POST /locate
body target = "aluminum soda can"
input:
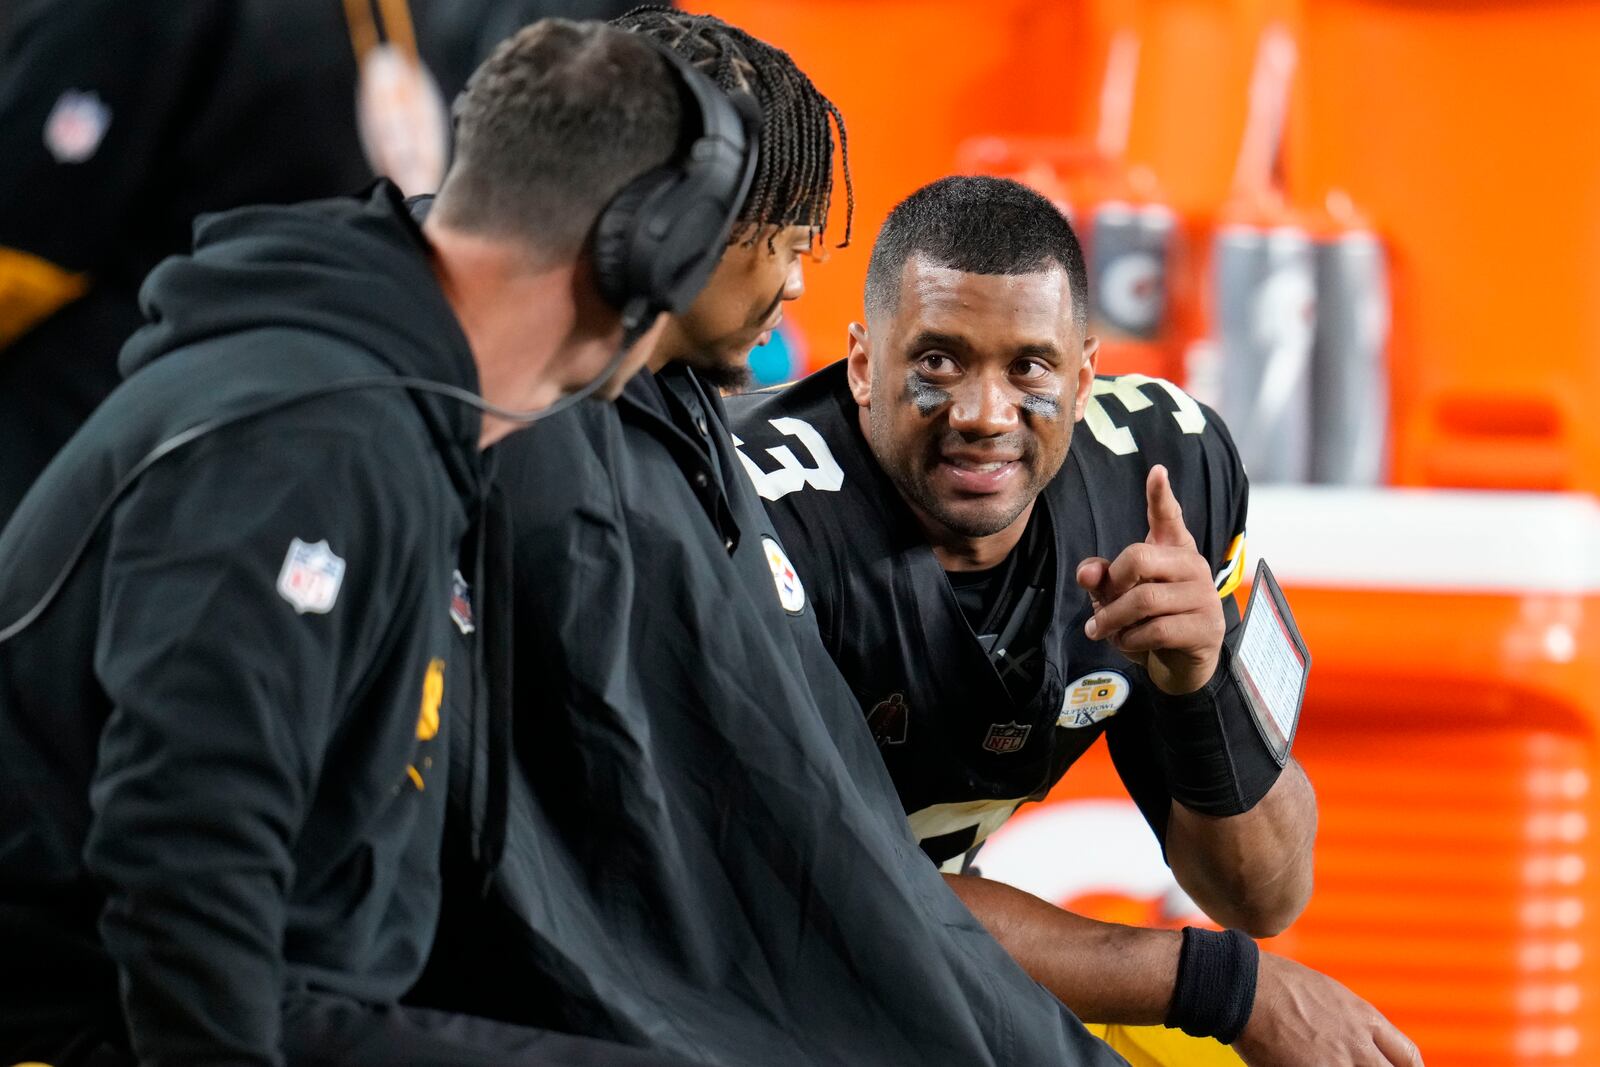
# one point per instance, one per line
(1349, 367)
(1131, 248)
(1266, 319)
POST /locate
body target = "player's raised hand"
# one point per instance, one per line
(1163, 512)
(1156, 602)
(1301, 1016)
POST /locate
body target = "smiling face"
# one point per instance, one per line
(740, 306)
(969, 387)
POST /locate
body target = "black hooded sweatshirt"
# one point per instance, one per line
(221, 754)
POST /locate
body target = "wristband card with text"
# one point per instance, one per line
(1272, 663)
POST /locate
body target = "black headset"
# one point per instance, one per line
(658, 240)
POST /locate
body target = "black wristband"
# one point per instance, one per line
(1216, 986)
(1215, 760)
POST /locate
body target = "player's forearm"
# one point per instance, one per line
(1252, 871)
(1104, 972)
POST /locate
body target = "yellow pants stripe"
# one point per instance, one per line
(1157, 1046)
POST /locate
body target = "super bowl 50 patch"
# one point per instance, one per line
(1092, 698)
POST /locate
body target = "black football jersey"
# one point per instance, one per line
(973, 724)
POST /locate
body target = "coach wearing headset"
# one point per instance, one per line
(226, 609)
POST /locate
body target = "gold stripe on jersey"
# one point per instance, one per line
(982, 817)
(1232, 572)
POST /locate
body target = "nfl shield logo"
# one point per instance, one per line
(75, 127)
(1007, 737)
(310, 577)
(461, 603)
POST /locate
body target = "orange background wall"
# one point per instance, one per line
(1463, 129)
(914, 79)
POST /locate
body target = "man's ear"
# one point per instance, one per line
(1086, 372)
(858, 365)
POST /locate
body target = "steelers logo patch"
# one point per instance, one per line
(1092, 698)
(791, 594)
(432, 697)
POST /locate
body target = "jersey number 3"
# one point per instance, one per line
(825, 473)
(791, 475)
(1126, 388)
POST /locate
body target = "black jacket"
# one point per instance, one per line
(705, 854)
(219, 777)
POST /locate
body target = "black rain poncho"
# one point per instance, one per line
(703, 851)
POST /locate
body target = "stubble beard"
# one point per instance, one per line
(720, 372)
(981, 522)
(912, 476)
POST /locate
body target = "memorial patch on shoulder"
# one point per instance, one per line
(890, 720)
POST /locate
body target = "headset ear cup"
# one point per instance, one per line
(615, 231)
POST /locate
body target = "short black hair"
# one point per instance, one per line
(794, 173)
(551, 127)
(979, 225)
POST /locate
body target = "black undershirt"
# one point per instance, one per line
(988, 599)
(977, 591)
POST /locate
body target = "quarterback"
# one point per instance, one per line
(1009, 557)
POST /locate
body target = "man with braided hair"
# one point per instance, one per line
(698, 848)
(787, 211)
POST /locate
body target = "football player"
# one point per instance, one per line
(1000, 591)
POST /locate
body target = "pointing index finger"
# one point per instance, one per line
(1164, 511)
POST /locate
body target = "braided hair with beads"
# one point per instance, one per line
(794, 173)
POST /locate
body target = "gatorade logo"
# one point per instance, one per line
(1285, 322)
(1130, 292)
(1286, 309)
